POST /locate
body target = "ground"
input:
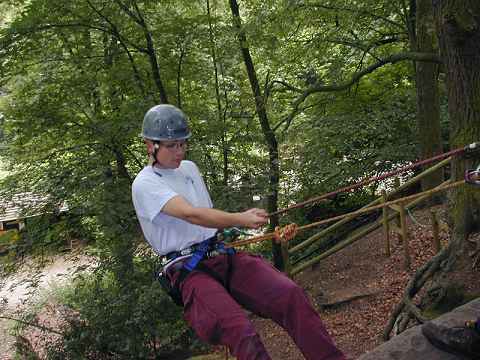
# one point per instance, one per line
(360, 271)
(33, 281)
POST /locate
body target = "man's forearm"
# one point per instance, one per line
(214, 218)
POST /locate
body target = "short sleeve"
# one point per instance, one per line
(195, 171)
(149, 197)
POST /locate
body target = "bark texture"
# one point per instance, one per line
(268, 133)
(428, 105)
(458, 29)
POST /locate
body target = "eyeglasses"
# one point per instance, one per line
(177, 145)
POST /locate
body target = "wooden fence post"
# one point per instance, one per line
(435, 231)
(396, 184)
(392, 217)
(403, 227)
(386, 226)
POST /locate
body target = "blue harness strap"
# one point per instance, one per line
(205, 249)
(199, 253)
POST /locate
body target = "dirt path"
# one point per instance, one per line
(29, 284)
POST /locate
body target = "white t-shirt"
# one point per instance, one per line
(151, 190)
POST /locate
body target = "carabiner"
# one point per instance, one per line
(230, 234)
(473, 176)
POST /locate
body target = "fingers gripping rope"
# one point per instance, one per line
(285, 233)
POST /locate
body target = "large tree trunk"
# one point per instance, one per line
(458, 28)
(428, 105)
(221, 113)
(150, 51)
(268, 133)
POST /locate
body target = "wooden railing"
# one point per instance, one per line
(399, 214)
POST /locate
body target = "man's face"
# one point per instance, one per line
(169, 154)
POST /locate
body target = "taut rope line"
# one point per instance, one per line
(269, 236)
(458, 151)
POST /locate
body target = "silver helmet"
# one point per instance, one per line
(165, 122)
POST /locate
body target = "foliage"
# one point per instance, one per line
(49, 233)
(102, 320)
(113, 320)
(8, 240)
(79, 76)
(9, 237)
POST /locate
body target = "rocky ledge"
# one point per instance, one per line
(412, 345)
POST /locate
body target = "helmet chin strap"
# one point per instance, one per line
(156, 146)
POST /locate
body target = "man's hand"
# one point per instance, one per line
(254, 218)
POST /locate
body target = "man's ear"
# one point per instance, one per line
(150, 147)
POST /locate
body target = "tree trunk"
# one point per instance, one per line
(428, 105)
(458, 29)
(268, 133)
(221, 114)
(137, 17)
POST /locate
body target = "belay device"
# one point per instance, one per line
(472, 176)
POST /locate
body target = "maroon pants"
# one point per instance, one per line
(218, 317)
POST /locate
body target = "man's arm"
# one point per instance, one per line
(213, 218)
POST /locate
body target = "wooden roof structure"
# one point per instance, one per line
(22, 206)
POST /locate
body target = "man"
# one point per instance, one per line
(464, 340)
(214, 284)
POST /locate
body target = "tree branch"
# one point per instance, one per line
(114, 30)
(284, 84)
(355, 11)
(320, 87)
(130, 13)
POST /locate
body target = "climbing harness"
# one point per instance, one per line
(230, 234)
(187, 260)
(472, 176)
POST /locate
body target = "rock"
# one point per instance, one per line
(412, 345)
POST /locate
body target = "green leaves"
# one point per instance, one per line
(78, 77)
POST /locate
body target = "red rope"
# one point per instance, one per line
(372, 179)
(272, 235)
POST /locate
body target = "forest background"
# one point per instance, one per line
(286, 100)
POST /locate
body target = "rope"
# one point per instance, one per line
(272, 235)
(377, 178)
(285, 233)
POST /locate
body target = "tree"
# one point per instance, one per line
(458, 31)
(428, 98)
(268, 132)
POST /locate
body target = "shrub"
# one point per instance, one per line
(132, 320)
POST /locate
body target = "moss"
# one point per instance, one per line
(453, 297)
(459, 13)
